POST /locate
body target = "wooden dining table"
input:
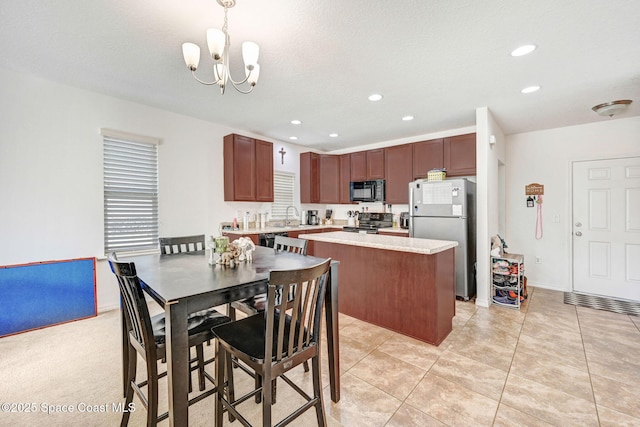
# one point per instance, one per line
(185, 283)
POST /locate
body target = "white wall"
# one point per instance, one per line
(545, 157)
(51, 205)
(488, 160)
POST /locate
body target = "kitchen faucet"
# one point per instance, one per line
(286, 215)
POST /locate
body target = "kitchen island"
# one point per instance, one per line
(403, 284)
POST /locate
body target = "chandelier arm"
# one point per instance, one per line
(240, 82)
(243, 91)
(193, 73)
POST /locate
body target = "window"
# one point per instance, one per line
(130, 192)
(283, 184)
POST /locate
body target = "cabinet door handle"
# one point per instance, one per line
(578, 233)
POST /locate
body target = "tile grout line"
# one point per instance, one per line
(586, 360)
(531, 296)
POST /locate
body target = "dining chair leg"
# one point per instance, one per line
(231, 390)
(266, 400)
(231, 312)
(258, 384)
(317, 391)
(200, 361)
(130, 374)
(221, 366)
(152, 394)
(306, 365)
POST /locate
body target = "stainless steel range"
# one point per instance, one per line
(370, 222)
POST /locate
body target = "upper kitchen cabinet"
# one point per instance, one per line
(319, 178)
(309, 179)
(345, 178)
(375, 164)
(366, 165)
(264, 171)
(329, 177)
(460, 155)
(248, 169)
(427, 155)
(398, 172)
(358, 166)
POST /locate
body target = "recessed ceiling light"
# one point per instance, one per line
(333, 135)
(293, 138)
(407, 118)
(295, 122)
(524, 50)
(375, 97)
(530, 89)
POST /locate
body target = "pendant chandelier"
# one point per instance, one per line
(218, 43)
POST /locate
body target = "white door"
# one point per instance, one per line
(606, 227)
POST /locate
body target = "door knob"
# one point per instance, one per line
(578, 224)
(578, 233)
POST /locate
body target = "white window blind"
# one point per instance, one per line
(130, 193)
(283, 184)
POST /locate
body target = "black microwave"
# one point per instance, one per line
(367, 191)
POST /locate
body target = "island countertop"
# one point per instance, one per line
(380, 241)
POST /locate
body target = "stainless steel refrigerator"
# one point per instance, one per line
(446, 210)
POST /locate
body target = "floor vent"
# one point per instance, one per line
(603, 303)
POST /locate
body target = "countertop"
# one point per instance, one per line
(281, 229)
(308, 227)
(380, 241)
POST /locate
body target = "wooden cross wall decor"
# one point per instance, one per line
(282, 153)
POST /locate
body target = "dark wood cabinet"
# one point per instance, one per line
(375, 164)
(264, 171)
(309, 180)
(398, 173)
(329, 178)
(460, 155)
(319, 178)
(345, 178)
(325, 178)
(359, 166)
(248, 169)
(239, 154)
(366, 165)
(427, 155)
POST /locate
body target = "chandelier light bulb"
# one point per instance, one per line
(191, 53)
(250, 52)
(252, 75)
(216, 41)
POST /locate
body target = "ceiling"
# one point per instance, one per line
(434, 59)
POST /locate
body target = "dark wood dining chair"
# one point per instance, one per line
(255, 304)
(146, 337)
(175, 245)
(271, 343)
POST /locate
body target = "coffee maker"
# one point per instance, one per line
(312, 217)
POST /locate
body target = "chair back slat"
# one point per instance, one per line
(176, 245)
(290, 244)
(295, 320)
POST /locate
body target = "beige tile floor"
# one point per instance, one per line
(549, 364)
